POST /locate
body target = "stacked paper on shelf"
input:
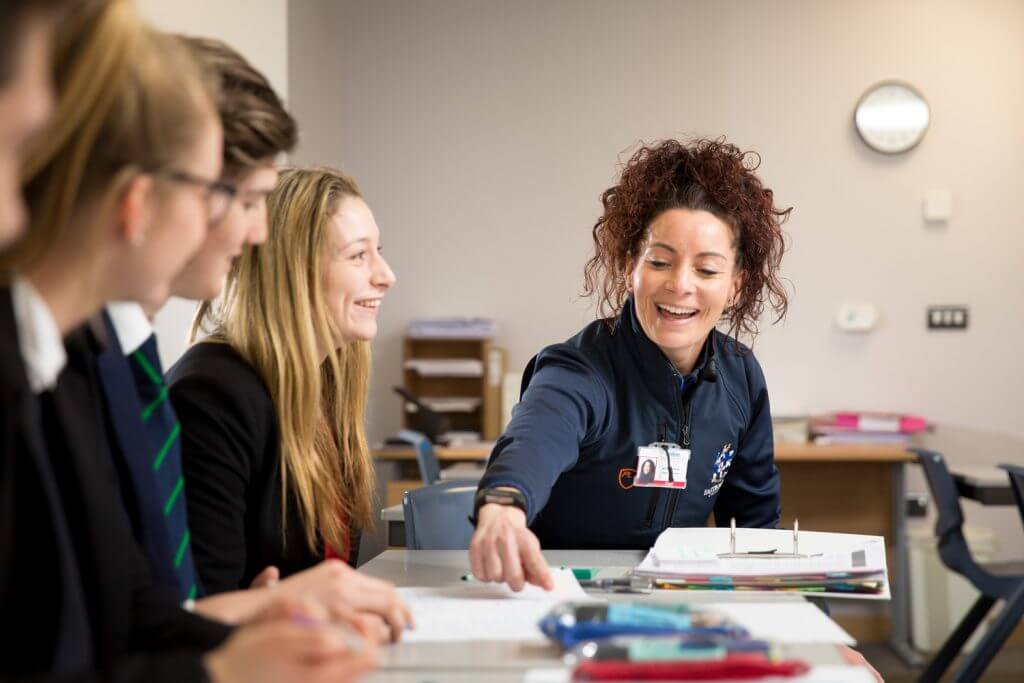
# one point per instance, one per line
(446, 367)
(868, 428)
(833, 565)
(452, 328)
(447, 404)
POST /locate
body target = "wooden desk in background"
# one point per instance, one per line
(855, 489)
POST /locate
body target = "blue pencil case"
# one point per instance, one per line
(570, 623)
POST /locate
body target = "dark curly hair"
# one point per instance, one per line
(701, 175)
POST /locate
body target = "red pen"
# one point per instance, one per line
(729, 668)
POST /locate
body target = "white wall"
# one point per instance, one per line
(482, 133)
(259, 31)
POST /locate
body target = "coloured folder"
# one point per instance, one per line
(830, 565)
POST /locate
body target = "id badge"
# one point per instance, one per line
(663, 465)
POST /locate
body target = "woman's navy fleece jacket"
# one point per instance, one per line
(586, 406)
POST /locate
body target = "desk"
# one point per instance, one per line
(986, 485)
(508, 661)
(869, 480)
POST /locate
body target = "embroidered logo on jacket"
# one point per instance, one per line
(721, 468)
(626, 475)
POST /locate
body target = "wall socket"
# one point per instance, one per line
(947, 318)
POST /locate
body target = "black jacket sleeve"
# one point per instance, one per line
(221, 434)
(180, 667)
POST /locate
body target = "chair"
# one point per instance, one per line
(430, 466)
(426, 457)
(956, 555)
(437, 516)
(1016, 474)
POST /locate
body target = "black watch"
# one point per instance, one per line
(503, 496)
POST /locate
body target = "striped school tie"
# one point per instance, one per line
(161, 423)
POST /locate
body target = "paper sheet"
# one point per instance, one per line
(485, 611)
(784, 622)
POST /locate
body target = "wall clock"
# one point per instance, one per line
(892, 117)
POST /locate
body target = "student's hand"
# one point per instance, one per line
(266, 578)
(504, 549)
(293, 646)
(857, 659)
(344, 591)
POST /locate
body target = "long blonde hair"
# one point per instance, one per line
(130, 99)
(273, 313)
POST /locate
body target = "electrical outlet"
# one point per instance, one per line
(917, 504)
(947, 318)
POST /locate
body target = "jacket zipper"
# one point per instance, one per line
(684, 441)
(652, 504)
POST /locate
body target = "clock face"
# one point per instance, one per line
(892, 117)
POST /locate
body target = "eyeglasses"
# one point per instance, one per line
(218, 194)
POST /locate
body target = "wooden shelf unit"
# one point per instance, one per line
(486, 419)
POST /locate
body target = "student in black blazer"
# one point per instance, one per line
(285, 361)
(107, 617)
(256, 129)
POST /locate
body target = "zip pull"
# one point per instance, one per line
(661, 432)
(686, 436)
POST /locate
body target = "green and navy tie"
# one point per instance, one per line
(161, 424)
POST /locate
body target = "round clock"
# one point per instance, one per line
(891, 117)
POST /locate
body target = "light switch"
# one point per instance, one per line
(857, 317)
(938, 206)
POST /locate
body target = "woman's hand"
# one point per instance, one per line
(293, 642)
(342, 591)
(504, 549)
(857, 659)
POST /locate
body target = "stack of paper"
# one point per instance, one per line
(865, 428)
(452, 328)
(446, 404)
(835, 565)
(446, 367)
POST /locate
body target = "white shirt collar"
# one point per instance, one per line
(42, 347)
(131, 325)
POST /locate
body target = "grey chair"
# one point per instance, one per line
(437, 516)
(956, 555)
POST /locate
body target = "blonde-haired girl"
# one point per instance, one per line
(273, 401)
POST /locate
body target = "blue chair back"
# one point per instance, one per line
(426, 458)
(437, 516)
(1016, 473)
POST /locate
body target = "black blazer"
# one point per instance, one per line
(44, 625)
(135, 629)
(231, 453)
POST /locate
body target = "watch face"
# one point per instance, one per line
(500, 498)
(892, 117)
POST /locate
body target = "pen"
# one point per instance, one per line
(352, 640)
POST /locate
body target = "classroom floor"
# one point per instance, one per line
(1007, 667)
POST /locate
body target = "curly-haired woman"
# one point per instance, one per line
(690, 239)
